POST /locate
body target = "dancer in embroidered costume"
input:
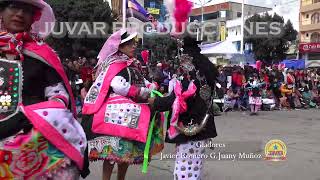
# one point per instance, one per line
(39, 136)
(117, 107)
(192, 121)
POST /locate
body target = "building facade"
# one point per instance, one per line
(156, 8)
(219, 14)
(234, 32)
(116, 5)
(310, 32)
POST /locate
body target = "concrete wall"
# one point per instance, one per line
(305, 37)
(248, 10)
(234, 8)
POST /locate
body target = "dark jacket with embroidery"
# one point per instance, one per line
(197, 107)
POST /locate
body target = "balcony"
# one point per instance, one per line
(306, 7)
(305, 22)
(309, 27)
(306, 2)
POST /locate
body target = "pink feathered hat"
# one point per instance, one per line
(44, 21)
(111, 46)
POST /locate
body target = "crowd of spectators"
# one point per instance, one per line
(284, 88)
(80, 72)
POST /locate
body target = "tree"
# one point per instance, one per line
(291, 33)
(162, 47)
(271, 44)
(79, 11)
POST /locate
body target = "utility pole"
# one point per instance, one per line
(242, 28)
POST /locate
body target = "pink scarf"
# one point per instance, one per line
(179, 106)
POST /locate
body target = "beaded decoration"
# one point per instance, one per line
(10, 88)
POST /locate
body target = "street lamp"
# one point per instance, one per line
(202, 3)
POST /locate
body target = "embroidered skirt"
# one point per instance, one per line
(31, 156)
(120, 150)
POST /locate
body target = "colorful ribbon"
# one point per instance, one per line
(179, 106)
(148, 143)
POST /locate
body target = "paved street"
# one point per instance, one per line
(300, 130)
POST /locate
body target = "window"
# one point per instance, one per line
(238, 44)
(210, 16)
(315, 18)
(307, 35)
(307, 16)
(153, 4)
(239, 14)
(229, 14)
(315, 37)
(223, 14)
(193, 18)
(314, 56)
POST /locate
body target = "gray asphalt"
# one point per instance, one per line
(299, 129)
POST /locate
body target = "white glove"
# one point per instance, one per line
(120, 85)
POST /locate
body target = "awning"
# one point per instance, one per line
(294, 63)
(222, 47)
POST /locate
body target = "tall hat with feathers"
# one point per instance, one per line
(179, 11)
